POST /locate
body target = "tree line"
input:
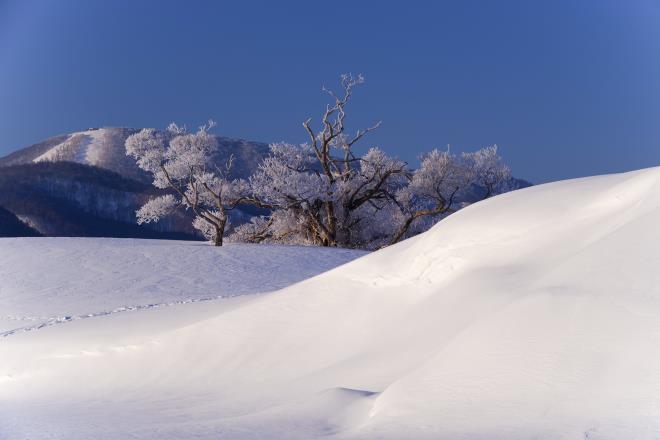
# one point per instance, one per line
(316, 193)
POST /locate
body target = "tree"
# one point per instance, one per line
(488, 170)
(322, 193)
(180, 163)
(444, 178)
(323, 190)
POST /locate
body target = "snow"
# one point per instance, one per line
(533, 314)
(83, 147)
(91, 150)
(52, 280)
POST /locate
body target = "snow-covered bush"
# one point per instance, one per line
(180, 162)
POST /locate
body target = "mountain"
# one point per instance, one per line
(104, 148)
(530, 315)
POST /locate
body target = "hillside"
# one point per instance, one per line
(533, 314)
(104, 148)
(70, 199)
(12, 226)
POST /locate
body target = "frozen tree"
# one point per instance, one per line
(317, 193)
(180, 162)
(488, 170)
(321, 192)
(444, 178)
(282, 226)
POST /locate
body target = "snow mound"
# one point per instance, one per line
(534, 314)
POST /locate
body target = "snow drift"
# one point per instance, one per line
(530, 315)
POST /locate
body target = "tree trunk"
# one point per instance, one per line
(402, 230)
(332, 224)
(219, 233)
(406, 225)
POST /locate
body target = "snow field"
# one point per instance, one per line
(533, 314)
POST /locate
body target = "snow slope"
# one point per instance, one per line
(82, 147)
(534, 314)
(104, 148)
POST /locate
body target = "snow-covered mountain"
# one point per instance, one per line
(104, 148)
(534, 314)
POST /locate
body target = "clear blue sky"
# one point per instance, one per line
(565, 88)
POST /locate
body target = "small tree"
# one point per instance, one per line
(180, 162)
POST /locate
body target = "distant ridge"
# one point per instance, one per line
(104, 148)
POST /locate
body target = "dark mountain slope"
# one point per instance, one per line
(70, 199)
(12, 226)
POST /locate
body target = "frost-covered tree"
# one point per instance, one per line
(317, 193)
(180, 162)
(444, 178)
(488, 170)
(321, 192)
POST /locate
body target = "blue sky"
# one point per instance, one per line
(565, 88)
